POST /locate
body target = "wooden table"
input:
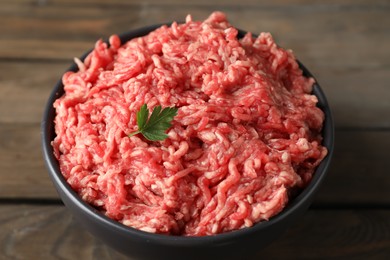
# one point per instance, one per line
(346, 44)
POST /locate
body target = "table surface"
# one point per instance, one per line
(344, 43)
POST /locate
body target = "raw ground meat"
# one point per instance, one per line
(247, 131)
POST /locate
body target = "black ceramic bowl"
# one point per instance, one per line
(143, 245)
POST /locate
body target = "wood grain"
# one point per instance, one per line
(22, 170)
(335, 234)
(26, 85)
(344, 43)
(245, 3)
(358, 97)
(337, 35)
(356, 175)
(46, 232)
(34, 52)
(50, 232)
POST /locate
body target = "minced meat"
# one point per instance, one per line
(247, 130)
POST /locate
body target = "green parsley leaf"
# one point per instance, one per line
(154, 127)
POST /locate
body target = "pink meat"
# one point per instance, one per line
(247, 130)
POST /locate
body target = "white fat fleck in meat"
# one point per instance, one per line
(249, 198)
(285, 157)
(257, 163)
(79, 64)
(248, 222)
(303, 144)
(147, 229)
(173, 135)
(207, 137)
(214, 229)
(137, 152)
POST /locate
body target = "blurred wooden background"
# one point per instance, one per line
(345, 44)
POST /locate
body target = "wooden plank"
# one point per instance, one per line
(358, 174)
(335, 234)
(259, 4)
(25, 87)
(22, 170)
(344, 77)
(22, 99)
(50, 232)
(355, 177)
(358, 97)
(47, 232)
(318, 33)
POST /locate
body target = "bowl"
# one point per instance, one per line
(142, 245)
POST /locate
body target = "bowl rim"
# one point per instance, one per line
(47, 136)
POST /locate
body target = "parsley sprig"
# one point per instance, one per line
(153, 128)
